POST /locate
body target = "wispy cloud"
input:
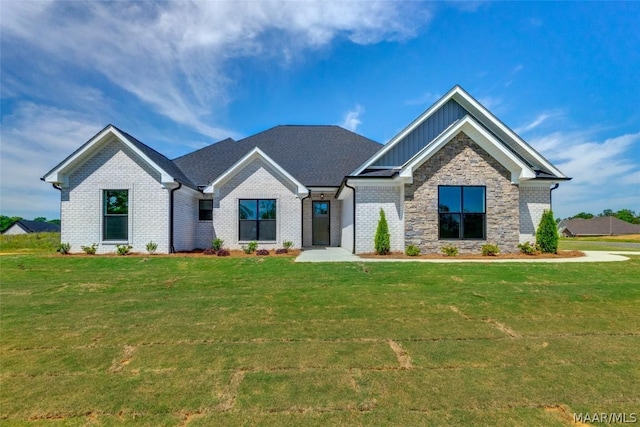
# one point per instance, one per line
(352, 120)
(32, 137)
(425, 98)
(172, 55)
(594, 166)
(540, 119)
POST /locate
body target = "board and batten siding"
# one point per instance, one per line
(418, 138)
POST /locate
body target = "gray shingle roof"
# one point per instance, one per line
(598, 226)
(159, 159)
(37, 226)
(314, 155)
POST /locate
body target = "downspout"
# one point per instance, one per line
(302, 218)
(354, 215)
(550, 195)
(171, 206)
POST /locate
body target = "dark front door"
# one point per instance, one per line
(321, 223)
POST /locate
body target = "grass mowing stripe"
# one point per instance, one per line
(170, 340)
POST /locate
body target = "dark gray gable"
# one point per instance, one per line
(421, 136)
(314, 155)
(37, 226)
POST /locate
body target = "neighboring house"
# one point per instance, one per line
(24, 226)
(598, 226)
(455, 175)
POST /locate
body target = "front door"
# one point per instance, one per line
(321, 223)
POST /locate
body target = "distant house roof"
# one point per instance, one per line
(599, 226)
(314, 155)
(36, 226)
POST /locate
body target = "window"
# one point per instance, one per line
(257, 219)
(461, 212)
(205, 210)
(116, 215)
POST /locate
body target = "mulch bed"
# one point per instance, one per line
(400, 255)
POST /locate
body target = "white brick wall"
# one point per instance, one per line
(184, 220)
(533, 201)
(115, 166)
(335, 213)
(369, 200)
(204, 229)
(257, 181)
(347, 221)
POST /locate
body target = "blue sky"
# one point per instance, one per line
(181, 75)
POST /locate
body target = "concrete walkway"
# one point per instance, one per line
(342, 255)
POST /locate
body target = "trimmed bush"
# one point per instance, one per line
(449, 250)
(209, 251)
(489, 249)
(382, 241)
(123, 249)
(282, 251)
(262, 252)
(528, 248)
(223, 252)
(64, 248)
(152, 247)
(250, 247)
(90, 250)
(412, 250)
(547, 234)
(216, 244)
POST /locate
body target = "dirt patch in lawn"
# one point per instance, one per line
(400, 255)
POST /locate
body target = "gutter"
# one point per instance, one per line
(302, 218)
(172, 249)
(551, 196)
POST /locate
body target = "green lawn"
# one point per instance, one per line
(601, 243)
(264, 341)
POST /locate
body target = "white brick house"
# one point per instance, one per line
(455, 175)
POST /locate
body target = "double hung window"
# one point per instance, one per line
(115, 223)
(257, 219)
(461, 212)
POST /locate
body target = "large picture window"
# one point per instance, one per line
(257, 219)
(116, 215)
(461, 212)
(205, 210)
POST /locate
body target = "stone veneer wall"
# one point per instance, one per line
(461, 162)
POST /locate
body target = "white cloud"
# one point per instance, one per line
(352, 120)
(33, 139)
(172, 55)
(542, 118)
(425, 98)
(605, 173)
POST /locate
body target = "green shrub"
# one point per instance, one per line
(489, 249)
(152, 247)
(90, 250)
(216, 244)
(382, 239)
(64, 248)
(449, 250)
(123, 249)
(287, 244)
(250, 247)
(412, 250)
(547, 233)
(528, 248)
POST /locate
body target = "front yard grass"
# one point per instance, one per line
(243, 341)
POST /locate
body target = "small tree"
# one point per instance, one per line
(382, 239)
(547, 233)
